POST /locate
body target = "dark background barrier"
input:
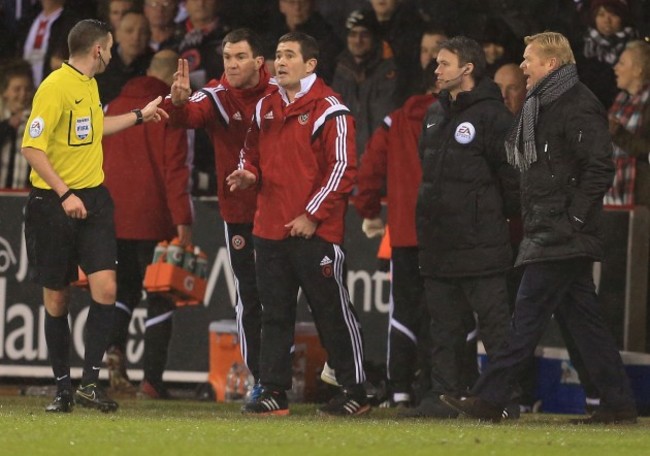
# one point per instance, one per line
(23, 350)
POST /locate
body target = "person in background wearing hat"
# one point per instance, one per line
(366, 76)
(604, 41)
(467, 190)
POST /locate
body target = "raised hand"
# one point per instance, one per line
(181, 90)
(152, 113)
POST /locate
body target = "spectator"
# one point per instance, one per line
(302, 16)
(400, 25)
(512, 82)
(561, 133)
(69, 213)
(16, 88)
(132, 55)
(163, 31)
(500, 45)
(604, 41)
(147, 174)
(224, 108)
(467, 190)
(366, 77)
(430, 43)
(298, 226)
(391, 160)
(112, 11)
(47, 37)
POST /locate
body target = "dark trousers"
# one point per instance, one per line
(133, 257)
(451, 303)
(248, 309)
(406, 316)
(318, 267)
(565, 288)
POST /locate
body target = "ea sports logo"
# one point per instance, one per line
(465, 133)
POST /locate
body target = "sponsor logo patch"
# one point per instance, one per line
(36, 127)
(236, 116)
(238, 242)
(465, 133)
(268, 115)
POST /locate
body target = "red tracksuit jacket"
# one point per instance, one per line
(304, 157)
(392, 156)
(225, 112)
(146, 169)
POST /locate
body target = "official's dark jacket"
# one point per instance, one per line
(562, 192)
(461, 222)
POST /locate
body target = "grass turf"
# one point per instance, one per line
(198, 428)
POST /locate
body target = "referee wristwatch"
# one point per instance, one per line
(138, 116)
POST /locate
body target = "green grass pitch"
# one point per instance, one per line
(190, 428)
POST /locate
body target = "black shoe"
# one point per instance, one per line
(349, 402)
(268, 403)
(429, 407)
(512, 411)
(600, 416)
(475, 407)
(62, 403)
(92, 396)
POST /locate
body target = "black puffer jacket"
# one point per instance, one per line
(461, 222)
(562, 192)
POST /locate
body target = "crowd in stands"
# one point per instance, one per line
(370, 50)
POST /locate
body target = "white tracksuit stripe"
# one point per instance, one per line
(239, 306)
(159, 319)
(348, 316)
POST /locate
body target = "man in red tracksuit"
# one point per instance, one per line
(147, 174)
(300, 155)
(391, 159)
(224, 108)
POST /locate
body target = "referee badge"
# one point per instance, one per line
(36, 127)
(238, 242)
(82, 127)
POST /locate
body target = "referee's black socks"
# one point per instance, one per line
(98, 329)
(57, 336)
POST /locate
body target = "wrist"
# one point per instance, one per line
(65, 196)
(138, 116)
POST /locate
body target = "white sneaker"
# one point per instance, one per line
(329, 376)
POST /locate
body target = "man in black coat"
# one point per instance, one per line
(561, 146)
(467, 189)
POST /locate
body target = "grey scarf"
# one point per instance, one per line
(542, 94)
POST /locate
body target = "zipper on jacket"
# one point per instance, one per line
(548, 159)
(579, 136)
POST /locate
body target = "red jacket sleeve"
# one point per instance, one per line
(372, 173)
(177, 176)
(337, 142)
(199, 111)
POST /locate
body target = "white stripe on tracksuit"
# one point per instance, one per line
(394, 324)
(158, 319)
(341, 158)
(239, 306)
(348, 316)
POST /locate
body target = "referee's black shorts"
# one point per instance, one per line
(57, 244)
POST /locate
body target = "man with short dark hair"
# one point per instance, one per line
(467, 189)
(225, 109)
(561, 145)
(69, 213)
(300, 155)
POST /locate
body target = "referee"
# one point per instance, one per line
(69, 214)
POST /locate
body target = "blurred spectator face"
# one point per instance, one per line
(607, 23)
(493, 52)
(160, 13)
(384, 9)
(290, 66)
(535, 65)
(296, 11)
(201, 12)
(512, 82)
(360, 42)
(241, 67)
(17, 94)
(429, 47)
(132, 36)
(629, 72)
(116, 9)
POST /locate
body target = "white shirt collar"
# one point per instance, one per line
(305, 86)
